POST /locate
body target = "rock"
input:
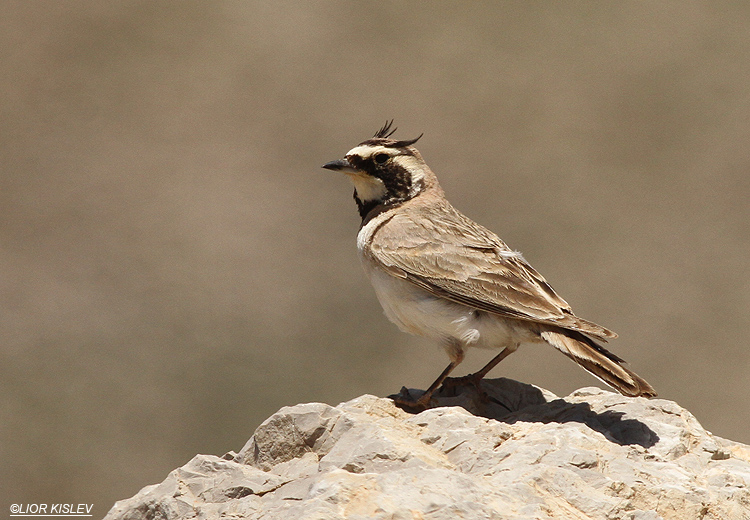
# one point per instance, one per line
(518, 452)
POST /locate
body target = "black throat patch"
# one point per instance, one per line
(396, 179)
(365, 207)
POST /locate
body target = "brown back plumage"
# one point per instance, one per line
(442, 251)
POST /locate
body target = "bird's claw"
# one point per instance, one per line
(406, 402)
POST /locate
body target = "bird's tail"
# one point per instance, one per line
(599, 361)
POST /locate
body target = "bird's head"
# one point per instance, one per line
(385, 171)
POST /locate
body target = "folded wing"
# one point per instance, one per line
(454, 258)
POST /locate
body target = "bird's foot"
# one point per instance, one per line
(408, 403)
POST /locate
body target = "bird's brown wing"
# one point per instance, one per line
(450, 256)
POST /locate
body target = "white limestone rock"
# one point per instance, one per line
(591, 455)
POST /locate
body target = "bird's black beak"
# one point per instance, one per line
(340, 165)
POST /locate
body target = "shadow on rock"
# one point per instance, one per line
(511, 401)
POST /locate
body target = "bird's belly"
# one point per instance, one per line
(416, 311)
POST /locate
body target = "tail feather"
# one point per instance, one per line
(599, 361)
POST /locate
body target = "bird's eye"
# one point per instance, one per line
(381, 158)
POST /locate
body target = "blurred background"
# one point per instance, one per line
(175, 265)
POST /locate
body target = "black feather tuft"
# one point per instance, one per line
(381, 137)
(406, 142)
(385, 131)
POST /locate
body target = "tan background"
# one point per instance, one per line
(175, 266)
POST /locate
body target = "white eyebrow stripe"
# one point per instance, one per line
(368, 150)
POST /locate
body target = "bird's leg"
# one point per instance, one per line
(476, 377)
(493, 363)
(456, 353)
(424, 399)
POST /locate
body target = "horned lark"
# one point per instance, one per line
(440, 275)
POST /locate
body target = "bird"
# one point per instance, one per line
(440, 275)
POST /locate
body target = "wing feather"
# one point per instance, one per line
(452, 257)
